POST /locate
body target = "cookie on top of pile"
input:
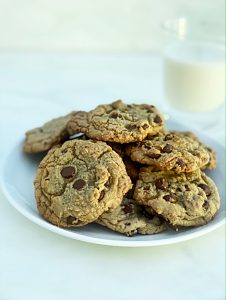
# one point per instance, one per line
(119, 167)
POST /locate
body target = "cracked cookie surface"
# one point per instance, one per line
(118, 122)
(212, 163)
(76, 182)
(45, 137)
(186, 199)
(130, 218)
(170, 151)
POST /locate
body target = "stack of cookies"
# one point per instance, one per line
(119, 167)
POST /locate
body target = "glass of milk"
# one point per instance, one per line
(194, 71)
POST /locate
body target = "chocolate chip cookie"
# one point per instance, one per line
(45, 137)
(118, 122)
(77, 182)
(212, 163)
(170, 151)
(186, 199)
(130, 218)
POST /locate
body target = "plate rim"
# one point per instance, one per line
(100, 241)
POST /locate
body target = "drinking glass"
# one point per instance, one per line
(194, 70)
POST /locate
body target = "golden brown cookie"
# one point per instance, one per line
(118, 122)
(170, 151)
(186, 199)
(78, 181)
(45, 137)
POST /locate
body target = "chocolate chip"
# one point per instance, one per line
(79, 184)
(131, 126)
(127, 208)
(154, 155)
(168, 137)
(71, 220)
(187, 187)
(128, 224)
(102, 194)
(114, 115)
(145, 126)
(146, 145)
(161, 183)
(150, 110)
(169, 198)
(157, 119)
(205, 205)
(167, 149)
(206, 189)
(107, 183)
(180, 162)
(68, 172)
(146, 188)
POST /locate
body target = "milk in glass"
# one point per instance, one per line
(194, 76)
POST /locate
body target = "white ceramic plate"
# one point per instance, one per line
(16, 179)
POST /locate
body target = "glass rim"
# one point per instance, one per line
(180, 28)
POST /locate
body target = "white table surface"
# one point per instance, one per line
(38, 264)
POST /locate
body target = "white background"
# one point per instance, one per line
(95, 25)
